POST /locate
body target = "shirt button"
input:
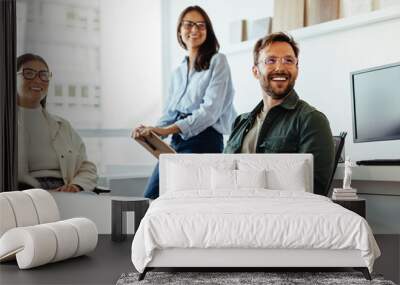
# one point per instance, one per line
(62, 156)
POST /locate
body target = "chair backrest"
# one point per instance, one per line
(339, 144)
(27, 208)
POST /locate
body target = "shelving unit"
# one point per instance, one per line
(326, 28)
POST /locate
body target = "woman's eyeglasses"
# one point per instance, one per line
(30, 74)
(188, 25)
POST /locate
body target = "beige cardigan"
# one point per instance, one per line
(70, 150)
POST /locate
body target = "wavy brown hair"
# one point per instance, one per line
(27, 57)
(210, 45)
(272, 38)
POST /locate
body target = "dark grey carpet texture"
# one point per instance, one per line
(269, 278)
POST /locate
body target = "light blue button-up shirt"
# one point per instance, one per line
(206, 95)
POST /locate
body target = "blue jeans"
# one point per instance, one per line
(208, 141)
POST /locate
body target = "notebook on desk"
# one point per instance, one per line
(155, 145)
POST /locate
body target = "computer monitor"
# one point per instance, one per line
(375, 94)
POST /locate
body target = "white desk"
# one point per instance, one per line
(380, 186)
(371, 173)
(125, 180)
(94, 207)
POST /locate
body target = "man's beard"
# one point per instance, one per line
(268, 88)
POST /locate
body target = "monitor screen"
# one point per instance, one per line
(376, 103)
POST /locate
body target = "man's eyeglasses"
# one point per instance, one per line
(30, 74)
(272, 60)
(188, 25)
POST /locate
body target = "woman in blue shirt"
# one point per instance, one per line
(199, 109)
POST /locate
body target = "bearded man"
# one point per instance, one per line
(282, 122)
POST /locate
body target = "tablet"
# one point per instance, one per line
(154, 144)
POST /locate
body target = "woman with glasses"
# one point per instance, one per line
(199, 108)
(51, 155)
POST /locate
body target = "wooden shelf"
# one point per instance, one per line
(343, 24)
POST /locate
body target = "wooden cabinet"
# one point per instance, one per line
(357, 206)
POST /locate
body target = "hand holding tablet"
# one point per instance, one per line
(154, 144)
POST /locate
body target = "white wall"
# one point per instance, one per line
(324, 81)
(131, 78)
(131, 61)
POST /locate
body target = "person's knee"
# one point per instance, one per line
(151, 195)
(152, 191)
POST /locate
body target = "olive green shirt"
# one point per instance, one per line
(291, 127)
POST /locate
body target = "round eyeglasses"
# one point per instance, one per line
(30, 74)
(273, 60)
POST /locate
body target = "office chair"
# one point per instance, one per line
(101, 190)
(338, 144)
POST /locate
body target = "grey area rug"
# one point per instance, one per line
(270, 278)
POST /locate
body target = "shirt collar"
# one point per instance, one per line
(185, 59)
(184, 66)
(290, 102)
(257, 109)
(55, 118)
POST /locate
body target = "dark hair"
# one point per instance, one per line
(27, 57)
(210, 45)
(272, 38)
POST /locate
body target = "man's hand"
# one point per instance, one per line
(68, 188)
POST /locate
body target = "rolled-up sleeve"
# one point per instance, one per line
(214, 100)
